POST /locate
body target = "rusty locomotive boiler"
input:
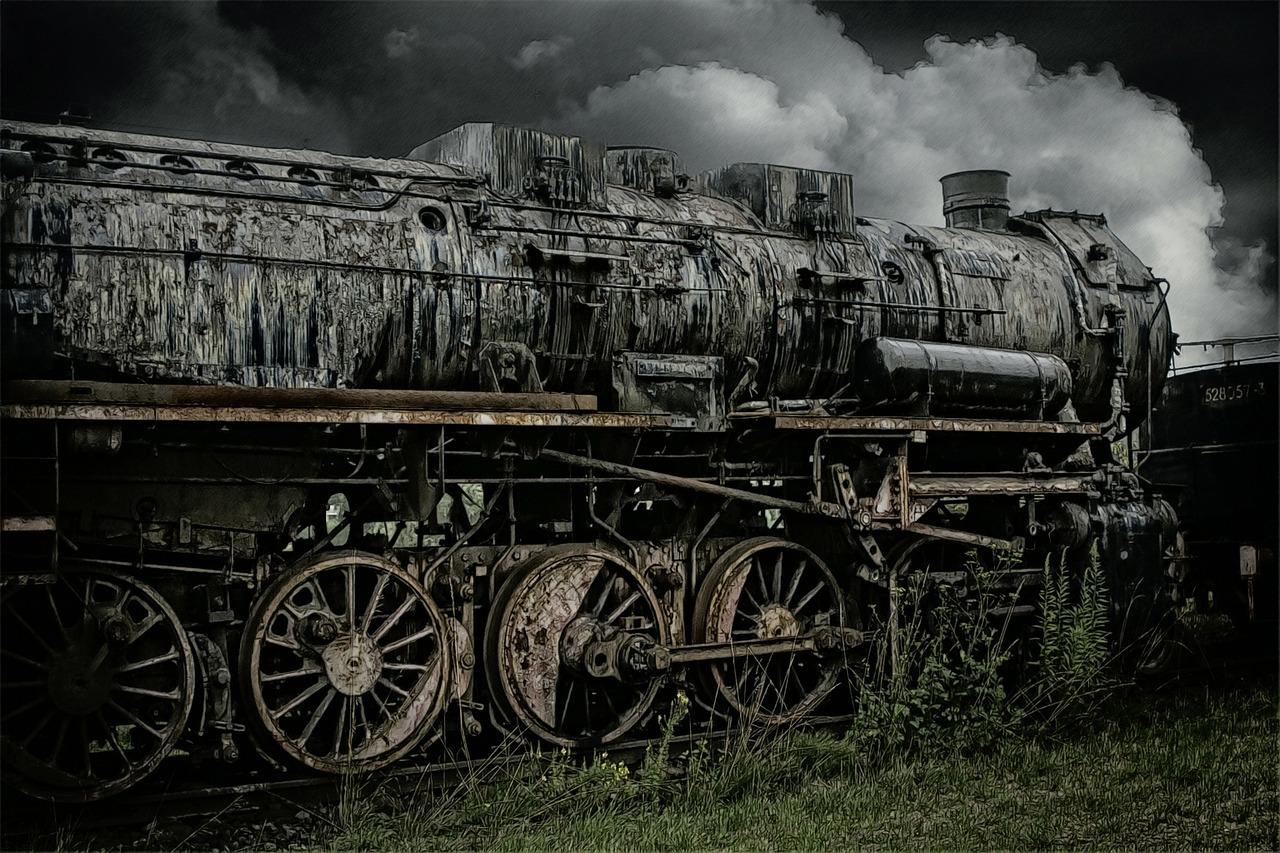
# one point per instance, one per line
(316, 461)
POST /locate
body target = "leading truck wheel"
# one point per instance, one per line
(97, 684)
(766, 589)
(575, 646)
(345, 663)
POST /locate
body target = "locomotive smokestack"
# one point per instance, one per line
(976, 199)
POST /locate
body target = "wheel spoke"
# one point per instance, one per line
(755, 605)
(308, 668)
(412, 638)
(84, 746)
(317, 594)
(143, 664)
(349, 574)
(340, 728)
(421, 667)
(563, 711)
(58, 739)
(28, 661)
(602, 600)
(382, 706)
(147, 624)
(795, 583)
(759, 575)
(376, 597)
(133, 718)
(622, 608)
(777, 578)
(608, 700)
(807, 598)
(364, 719)
(13, 614)
(113, 740)
(394, 687)
(57, 619)
(284, 642)
(27, 707)
(39, 727)
(320, 684)
(749, 672)
(301, 740)
(393, 619)
(172, 695)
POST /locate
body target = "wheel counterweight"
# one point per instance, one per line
(346, 663)
(575, 645)
(97, 685)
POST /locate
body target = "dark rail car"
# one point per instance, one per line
(1213, 454)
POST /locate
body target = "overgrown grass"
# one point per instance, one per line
(941, 756)
(1181, 772)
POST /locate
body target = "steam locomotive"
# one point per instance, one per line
(323, 460)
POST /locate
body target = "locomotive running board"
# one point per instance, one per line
(238, 396)
(92, 401)
(880, 423)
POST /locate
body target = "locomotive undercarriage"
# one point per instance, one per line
(179, 587)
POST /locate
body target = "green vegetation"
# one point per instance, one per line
(1182, 772)
(941, 756)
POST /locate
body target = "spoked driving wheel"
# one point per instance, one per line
(575, 645)
(345, 663)
(767, 589)
(97, 684)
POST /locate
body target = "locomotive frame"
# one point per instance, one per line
(170, 581)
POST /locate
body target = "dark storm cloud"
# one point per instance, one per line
(716, 81)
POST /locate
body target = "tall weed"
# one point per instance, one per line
(945, 687)
(1072, 674)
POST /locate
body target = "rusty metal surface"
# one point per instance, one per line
(507, 157)
(932, 485)
(259, 414)
(769, 589)
(231, 396)
(28, 524)
(348, 662)
(547, 639)
(212, 277)
(874, 423)
(817, 508)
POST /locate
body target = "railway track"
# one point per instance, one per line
(29, 821)
(178, 797)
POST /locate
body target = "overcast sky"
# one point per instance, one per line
(1162, 115)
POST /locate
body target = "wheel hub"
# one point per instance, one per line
(776, 621)
(353, 664)
(78, 683)
(578, 636)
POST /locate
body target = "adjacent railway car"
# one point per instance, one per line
(323, 461)
(1212, 449)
